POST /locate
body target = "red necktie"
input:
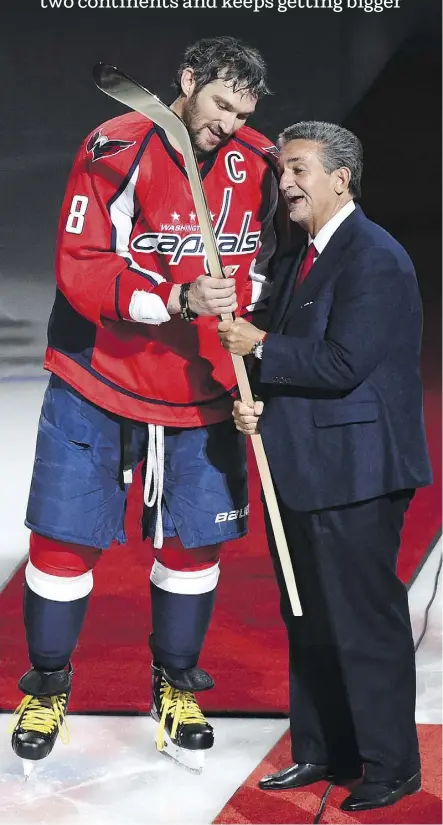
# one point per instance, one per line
(306, 264)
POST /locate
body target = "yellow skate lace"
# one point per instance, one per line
(182, 706)
(42, 714)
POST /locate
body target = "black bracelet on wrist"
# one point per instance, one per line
(185, 313)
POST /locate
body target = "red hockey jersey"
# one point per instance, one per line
(128, 225)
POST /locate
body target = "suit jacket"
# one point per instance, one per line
(340, 373)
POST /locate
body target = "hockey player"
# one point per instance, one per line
(138, 374)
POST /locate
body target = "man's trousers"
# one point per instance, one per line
(352, 663)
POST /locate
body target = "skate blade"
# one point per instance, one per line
(194, 761)
(28, 766)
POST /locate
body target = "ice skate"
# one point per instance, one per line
(183, 732)
(40, 717)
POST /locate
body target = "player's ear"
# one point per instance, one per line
(187, 82)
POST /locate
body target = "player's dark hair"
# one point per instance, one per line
(232, 59)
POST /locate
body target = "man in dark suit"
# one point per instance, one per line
(342, 424)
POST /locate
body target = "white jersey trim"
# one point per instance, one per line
(147, 308)
(122, 213)
(58, 588)
(189, 583)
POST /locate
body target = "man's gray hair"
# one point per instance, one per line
(339, 147)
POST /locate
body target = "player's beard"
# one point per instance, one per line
(191, 118)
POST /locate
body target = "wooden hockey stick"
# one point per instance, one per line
(120, 87)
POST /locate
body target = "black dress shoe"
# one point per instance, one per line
(379, 794)
(296, 776)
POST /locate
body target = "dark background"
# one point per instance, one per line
(377, 73)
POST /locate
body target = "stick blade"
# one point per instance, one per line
(101, 72)
(128, 91)
(111, 80)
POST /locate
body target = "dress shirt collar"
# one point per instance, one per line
(326, 232)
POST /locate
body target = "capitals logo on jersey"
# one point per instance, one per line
(176, 247)
(271, 150)
(101, 146)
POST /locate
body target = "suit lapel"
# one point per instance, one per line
(332, 258)
(284, 285)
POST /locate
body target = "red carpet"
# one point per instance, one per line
(250, 805)
(423, 519)
(245, 649)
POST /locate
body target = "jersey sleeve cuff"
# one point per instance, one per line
(117, 301)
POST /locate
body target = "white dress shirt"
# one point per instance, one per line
(326, 232)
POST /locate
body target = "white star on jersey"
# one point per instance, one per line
(175, 216)
(192, 216)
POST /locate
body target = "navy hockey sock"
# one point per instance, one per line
(52, 628)
(180, 615)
